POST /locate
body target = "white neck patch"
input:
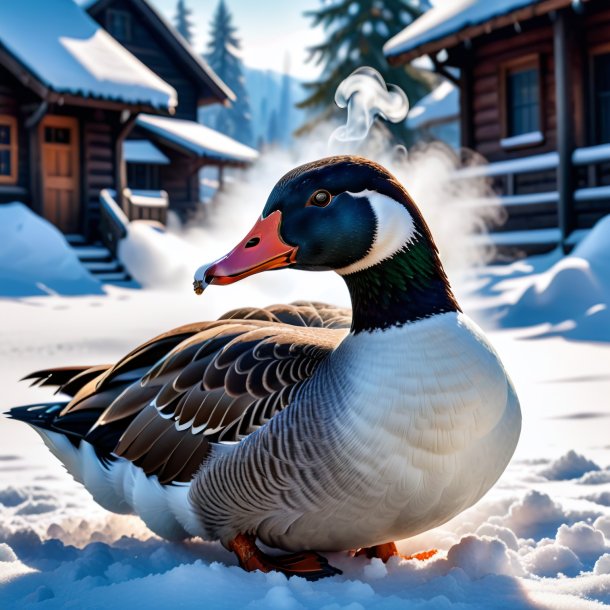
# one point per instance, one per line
(395, 229)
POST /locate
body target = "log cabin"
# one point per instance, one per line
(534, 82)
(165, 154)
(82, 114)
(68, 96)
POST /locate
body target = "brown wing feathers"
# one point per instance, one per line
(164, 403)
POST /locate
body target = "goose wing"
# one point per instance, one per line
(165, 404)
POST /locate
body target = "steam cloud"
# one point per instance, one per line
(366, 96)
(427, 171)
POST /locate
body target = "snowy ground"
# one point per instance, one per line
(539, 539)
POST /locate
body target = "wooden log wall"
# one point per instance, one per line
(490, 53)
(151, 50)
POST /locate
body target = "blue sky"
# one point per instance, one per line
(270, 30)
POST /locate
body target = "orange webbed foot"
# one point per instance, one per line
(307, 564)
(387, 550)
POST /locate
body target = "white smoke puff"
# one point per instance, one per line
(366, 96)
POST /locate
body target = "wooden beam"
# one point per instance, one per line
(121, 165)
(565, 120)
(466, 97)
(468, 33)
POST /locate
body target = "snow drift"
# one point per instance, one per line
(571, 297)
(35, 259)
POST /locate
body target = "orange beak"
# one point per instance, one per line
(260, 250)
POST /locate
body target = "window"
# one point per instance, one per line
(522, 100)
(601, 85)
(118, 23)
(8, 149)
(57, 135)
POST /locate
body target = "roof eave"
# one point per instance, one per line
(500, 21)
(200, 69)
(31, 80)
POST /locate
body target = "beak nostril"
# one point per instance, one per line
(252, 242)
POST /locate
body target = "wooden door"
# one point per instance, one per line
(60, 172)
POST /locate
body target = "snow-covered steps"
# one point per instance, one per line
(100, 262)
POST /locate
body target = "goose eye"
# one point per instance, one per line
(320, 198)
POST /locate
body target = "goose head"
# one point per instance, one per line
(349, 215)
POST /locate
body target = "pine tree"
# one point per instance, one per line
(356, 31)
(285, 111)
(222, 55)
(273, 131)
(183, 21)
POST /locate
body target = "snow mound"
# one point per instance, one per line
(595, 248)
(479, 557)
(6, 553)
(571, 465)
(585, 541)
(35, 259)
(596, 477)
(534, 516)
(553, 559)
(572, 295)
(10, 497)
(602, 565)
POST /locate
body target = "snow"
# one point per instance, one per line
(592, 194)
(539, 539)
(67, 51)
(449, 18)
(591, 154)
(147, 198)
(524, 139)
(35, 259)
(567, 298)
(143, 151)
(520, 238)
(197, 139)
(441, 104)
(569, 466)
(533, 163)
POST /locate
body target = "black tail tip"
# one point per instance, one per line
(37, 415)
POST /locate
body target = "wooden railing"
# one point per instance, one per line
(527, 189)
(113, 221)
(146, 205)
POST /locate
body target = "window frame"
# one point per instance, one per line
(595, 51)
(126, 15)
(13, 147)
(525, 62)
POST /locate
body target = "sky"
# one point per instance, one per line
(271, 30)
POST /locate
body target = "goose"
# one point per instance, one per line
(307, 427)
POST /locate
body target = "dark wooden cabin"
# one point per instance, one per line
(141, 29)
(535, 102)
(62, 118)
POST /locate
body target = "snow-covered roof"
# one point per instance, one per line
(434, 29)
(199, 67)
(440, 105)
(197, 139)
(69, 53)
(143, 151)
